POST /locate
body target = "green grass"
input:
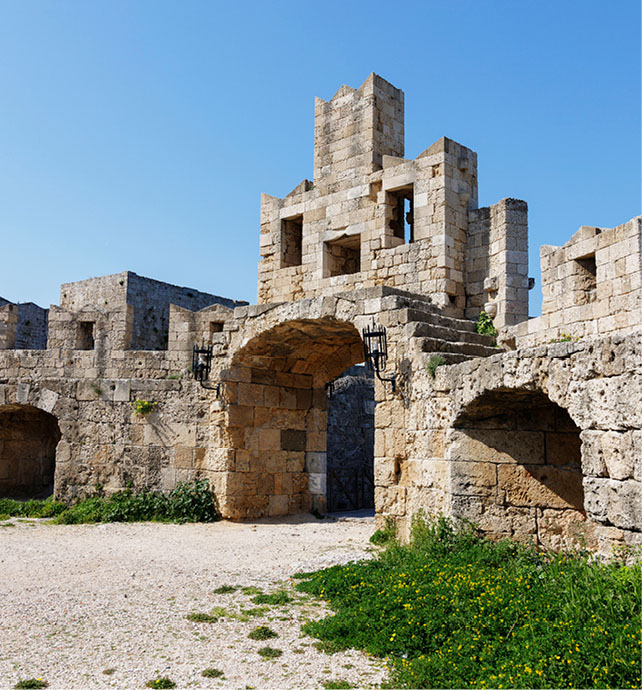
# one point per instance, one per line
(276, 599)
(188, 502)
(202, 618)
(225, 589)
(337, 685)
(453, 610)
(211, 673)
(262, 633)
(250, 591)
(29, 683)
(31, 509)
(163, 682)
(269, 652)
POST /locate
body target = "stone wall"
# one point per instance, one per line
(346, 229)
(591, 285)
(149, 300)
(496, 440)
(23, 326)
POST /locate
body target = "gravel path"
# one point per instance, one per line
(76, 600)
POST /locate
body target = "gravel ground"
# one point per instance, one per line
(76, 600)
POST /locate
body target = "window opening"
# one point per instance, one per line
(342, 256)
(588, 278)
(291, 241)
(402, 222)
(85, 339)
(215, 327)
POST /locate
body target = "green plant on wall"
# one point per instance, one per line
(485, 325)
(143, 406)
(434, 362)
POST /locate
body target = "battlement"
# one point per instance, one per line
(372, 217)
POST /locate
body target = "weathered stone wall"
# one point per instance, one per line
(22, 326)
(591, 285)
(495, 440)
(149, 300)
(345, 230)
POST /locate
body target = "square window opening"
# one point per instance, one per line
(291, 241)
(85, 335)
(342, 256)
(215, 327)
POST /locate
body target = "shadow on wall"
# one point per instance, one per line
(28, 440)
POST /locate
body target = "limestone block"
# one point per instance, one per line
(122, 390)
(317, 483)
(565, 529)
(487, 445)
(473, 479)
(543, 486)
(48, 400)
(317, 462)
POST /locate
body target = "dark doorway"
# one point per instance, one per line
(350, 472)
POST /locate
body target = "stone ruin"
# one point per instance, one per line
(538, 439)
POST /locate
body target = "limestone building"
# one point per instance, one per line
(538, 439)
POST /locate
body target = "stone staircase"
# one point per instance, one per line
(429, 332)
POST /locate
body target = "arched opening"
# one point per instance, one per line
(516, 468)
(28, 440)
(273, 452)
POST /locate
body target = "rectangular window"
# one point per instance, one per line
(402, 221)
(215, 327)
(342, 256)
(291, 241)
(587, 284)
(85, 335)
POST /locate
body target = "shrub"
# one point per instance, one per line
(188, 502)
(29, 683)
(143, 407)
(32, 508)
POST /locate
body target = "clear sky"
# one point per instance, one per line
(138, 134)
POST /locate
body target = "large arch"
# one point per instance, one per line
(273, 440)
(28, 440)
(516, 468)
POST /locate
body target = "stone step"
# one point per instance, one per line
(448, 357)
(408, 315)
(461, 348)
(431, 330)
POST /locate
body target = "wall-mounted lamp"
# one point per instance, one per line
(375, 350)
(202, 365)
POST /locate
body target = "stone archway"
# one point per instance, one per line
(273, 456)
(28, 440)
(516, 468)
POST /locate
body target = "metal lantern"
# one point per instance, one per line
(375, 350)
(202, 365)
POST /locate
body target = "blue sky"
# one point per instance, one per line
(139, 134)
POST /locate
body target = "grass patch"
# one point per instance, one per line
(202, 618)
(211, 673)
(29, 683)
(262, 633)
(454, 610)
(251, 591)
(329, 646)
(109, 671)
(276, 599)
(256, 612)
(30, 509)
(337, 685)
(162, 682)
(269, 652)
(225, 589)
